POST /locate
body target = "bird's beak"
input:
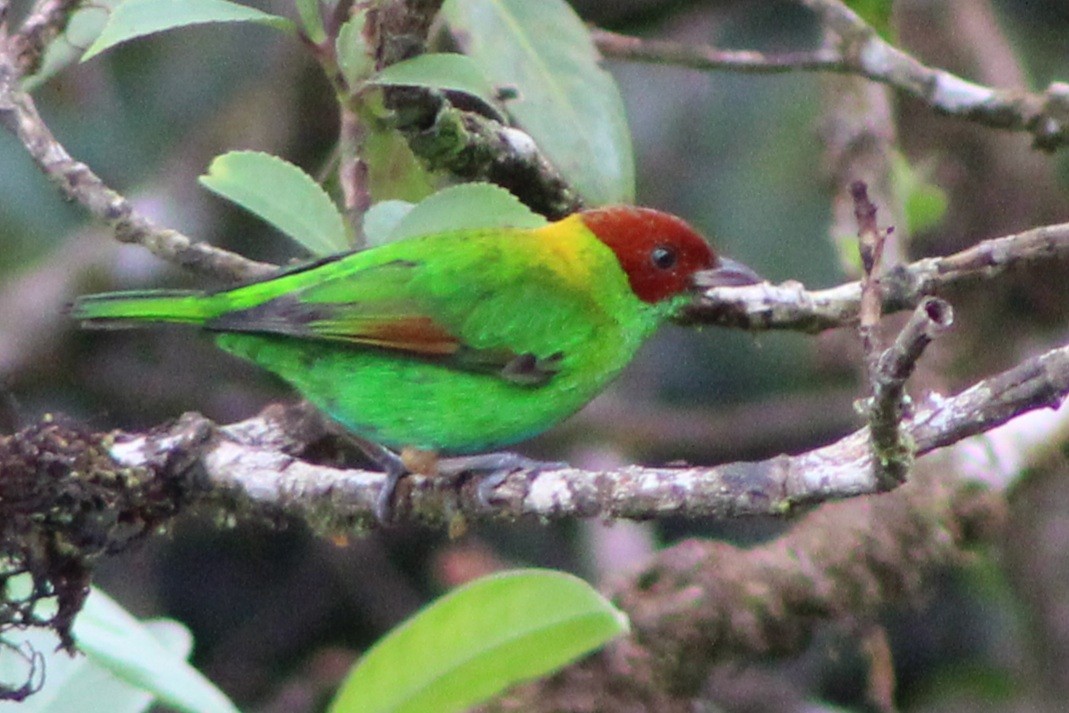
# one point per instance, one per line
(727, 273)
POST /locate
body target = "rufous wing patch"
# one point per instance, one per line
(417, 334)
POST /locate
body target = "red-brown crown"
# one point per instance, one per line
(659, 252)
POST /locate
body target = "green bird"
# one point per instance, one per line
(457, 342)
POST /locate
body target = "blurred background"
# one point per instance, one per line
(278, 615)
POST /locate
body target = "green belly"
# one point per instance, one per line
(399, 401)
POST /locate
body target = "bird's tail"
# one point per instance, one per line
(115, 310)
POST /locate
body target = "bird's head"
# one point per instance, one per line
(660, 253)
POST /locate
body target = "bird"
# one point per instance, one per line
(457, 342)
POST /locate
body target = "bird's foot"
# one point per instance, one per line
(393, 466)
(492, 469)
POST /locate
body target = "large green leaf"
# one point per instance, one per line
(283, 195)
(566, 101)
(466, 206)
(478, 640)
(126, 666)
(137, 18)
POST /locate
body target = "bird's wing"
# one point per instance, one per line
(385, 307)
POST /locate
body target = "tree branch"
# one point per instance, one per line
(258, 462)
(880, 551)
(789, 306)
(477, 148)
(862, 51)
(467, 144)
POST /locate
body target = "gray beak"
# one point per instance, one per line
(727, 273)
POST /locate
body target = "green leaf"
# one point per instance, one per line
(877, 13)
(283, 195)
(381, 219)
(84, 27)
(451, 71)
(926, 206)
(567, 102)
(924, 203)
(141, 662)
(311, 20)
(137, 18)
(393, 170)
(119, 643)
(463, 207)
(478, 640)
(354, 60)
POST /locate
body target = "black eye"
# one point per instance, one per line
(663, 257)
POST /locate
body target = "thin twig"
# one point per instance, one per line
(870, 242)
(706, 57)
(892, 448)
(887, 371)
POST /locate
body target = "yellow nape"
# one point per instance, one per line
(576, 252)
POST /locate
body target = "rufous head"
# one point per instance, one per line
(660, 253)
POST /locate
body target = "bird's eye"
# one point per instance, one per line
(663, 257)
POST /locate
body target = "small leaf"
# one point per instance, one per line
(924, 203)
(477, 641)
(85, 26)
(354, 60)
(137, 18)
(283, 195)
(455, 72)
(393, 170)
(466, 206)
(566, 101)
(311, 20)
(381, 219)
(925, 207)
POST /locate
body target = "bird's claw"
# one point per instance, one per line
(384, 506)
(492, 469)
